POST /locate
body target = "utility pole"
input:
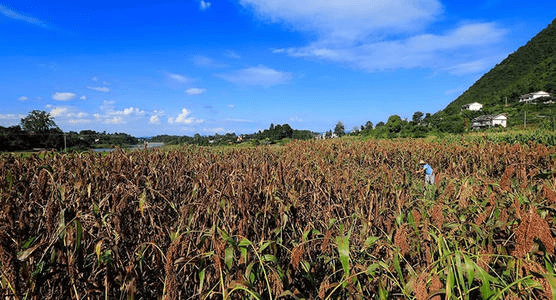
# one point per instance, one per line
(65, 144)
(525, 120)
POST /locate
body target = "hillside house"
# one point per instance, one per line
(487, 121)
(532, 96)
(475, 106)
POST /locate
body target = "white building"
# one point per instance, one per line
(475, 106)
(532, 96)
(489, 121)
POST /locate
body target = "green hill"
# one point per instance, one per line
(529, 69)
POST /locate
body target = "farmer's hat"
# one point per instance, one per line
(421, 162)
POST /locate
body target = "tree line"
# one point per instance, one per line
(274, 134)
(38, 130)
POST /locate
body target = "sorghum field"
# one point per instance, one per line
(317, 220)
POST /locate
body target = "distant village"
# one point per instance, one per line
(487, 121)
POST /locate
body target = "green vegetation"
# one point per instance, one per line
(531, 68)
(38, 130)
(274, 134)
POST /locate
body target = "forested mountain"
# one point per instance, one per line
(529, 69)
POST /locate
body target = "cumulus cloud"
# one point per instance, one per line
(115, 120)
(63, 96)
(110, 115)
(154, 120)
(69, 114)
(83, 97)
(184, 118)
(128, 112)
(204, 5)
(21, 17)
(58, 111)
(22, 98)
(260, 75)
(101, 89)
(195, 91)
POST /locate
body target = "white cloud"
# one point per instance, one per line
(115, 120)
(110, 115)
(231, 106)
(83, 97)
(69, 114)
(377, 35)
(22, 98)
(348, 19)
(63, 96)
(178, 78)
(184, 118)
(102, 89)
(107, 105)
(94, 78)
(17, 16)
(218, 130)
(154, 120)
(296, 119)
(80, 121)
(195, 91)
(204, 5)
(11, 117)
(260, 75)
(130, 111)
(472, 66)
(450, 51)
(58, 111)
(204, 61)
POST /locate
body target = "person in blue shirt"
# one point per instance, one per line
(428, 171)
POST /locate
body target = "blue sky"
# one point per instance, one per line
(206, 66)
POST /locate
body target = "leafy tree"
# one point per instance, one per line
(394, 124)
(369, 125)
(340, 130)
(38, 121)
(417, 117)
